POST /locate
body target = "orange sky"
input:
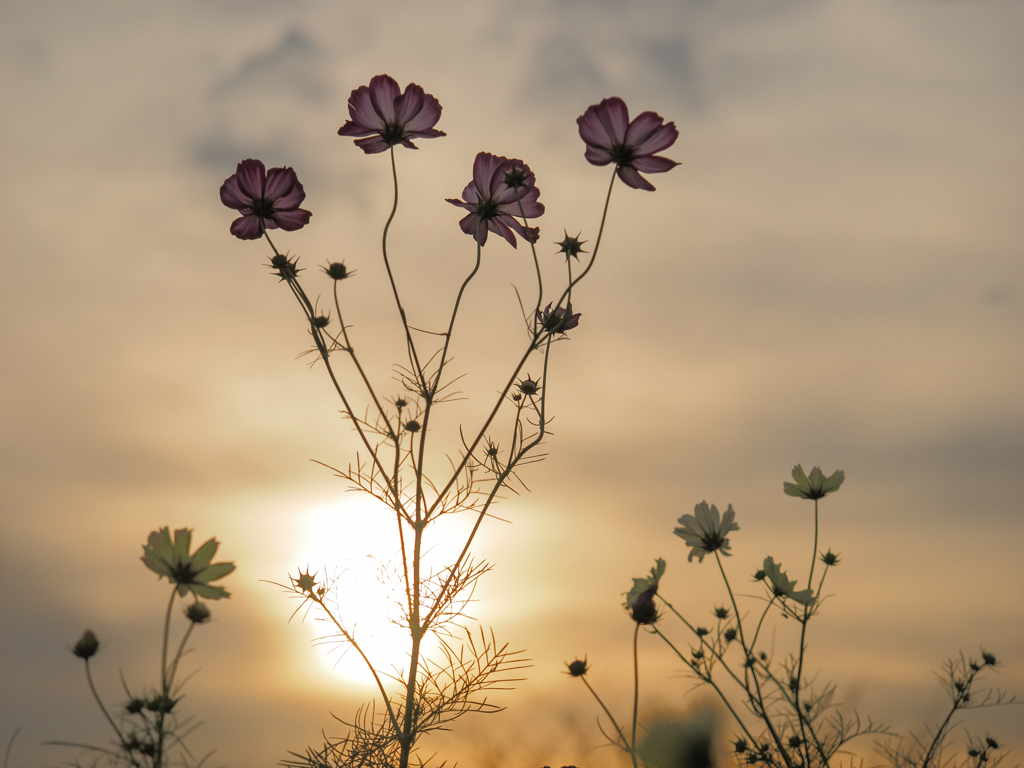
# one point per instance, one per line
(832, 276)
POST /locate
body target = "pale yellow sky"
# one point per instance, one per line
(833, 275)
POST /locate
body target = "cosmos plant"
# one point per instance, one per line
(149, 728)
(780, 715)
(401, 432)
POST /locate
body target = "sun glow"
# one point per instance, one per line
(352, 545)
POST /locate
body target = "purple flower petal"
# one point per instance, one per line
(469, 225)
(498, 226)
(604, 124)
(232, 196)
(284, 189)
(633, 179)
(381, 112)
(384, 91)
(291, 220)
(654, 164)
(648, 134)
(494, 201)
(598, 155)
(365, 119)
(372, 145)
(611, 138)
(247, 228)
(251, 176)
(273, 196)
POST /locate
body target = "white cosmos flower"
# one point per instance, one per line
(705, 531)
(782, 586)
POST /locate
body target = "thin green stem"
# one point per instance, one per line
(533, 250)
(177, 656)
(636, 692)
(99, 701)
(707, 679)
(167, 629)
(803, 648)
(352, 641)
(758, 702)
(413, 357)
(431, 392)
(732, 599)
(355, 360)
(533, 343)
(960, 697)
(704, 644)
(498, 483)
(618, 730)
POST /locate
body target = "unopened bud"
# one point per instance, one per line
(86, 646)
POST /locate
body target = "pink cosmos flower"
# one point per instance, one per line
(611, 138)
(272, 196)
(558, 320)
(491, 199)
(386, 116)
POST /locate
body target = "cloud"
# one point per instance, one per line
(293, 68)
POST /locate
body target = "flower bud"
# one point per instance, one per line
(643, 609)
(528, 386)
(198, 613)
(86, 646)
(161, 703)
(729, 635)
(571, 246)
(412, 426)
(830, 558)
(286, 268)
(321, 321)
(990, 660)
(134, 706)
(577, 668)
(515, 177)
(337, 271)
(305, 582)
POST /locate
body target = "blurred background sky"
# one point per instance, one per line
(833, 275)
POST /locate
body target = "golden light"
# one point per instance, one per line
(353, 546)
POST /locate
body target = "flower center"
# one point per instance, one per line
(393, 133)
(486, 208)
(622, 154)
(262, 208)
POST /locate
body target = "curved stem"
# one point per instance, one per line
(352, 641)
(99, 701)
(413, 358)
(533, 250)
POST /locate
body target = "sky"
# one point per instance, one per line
(832, 276)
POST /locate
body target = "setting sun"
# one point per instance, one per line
(366, 590)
